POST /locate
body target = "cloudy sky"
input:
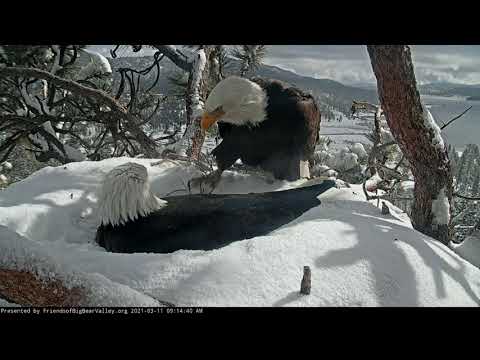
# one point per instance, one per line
(350, 64)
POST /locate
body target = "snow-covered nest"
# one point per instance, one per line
(357, 256)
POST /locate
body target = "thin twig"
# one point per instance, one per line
(455, 118)
(466, 197)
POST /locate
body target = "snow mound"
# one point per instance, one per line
(469, 249)
(357, 256)
(19, 253)
(372, 183)
(359, 150)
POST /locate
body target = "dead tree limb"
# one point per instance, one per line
(455, 118)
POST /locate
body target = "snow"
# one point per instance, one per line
(198, 67)
(6, 166)
(92, 63)
(197, 104)
(430, 123)
(28, 100)
(56, 63)
(342, 159)
(441, 208)
(386, 135)
(372, 183)
(332, 173)
(350, 160)
(320, 169)
(407, 185)
(5, 303)
(19, 253)
(3, 179)
(74, 154)
(469, 249)
(358, 257)
(359, 150)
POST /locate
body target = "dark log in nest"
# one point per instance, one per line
(206, 222)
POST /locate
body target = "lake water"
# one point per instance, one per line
(463, 131)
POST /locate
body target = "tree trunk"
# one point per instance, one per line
(201, 81)
(400, 99)
(194, 136)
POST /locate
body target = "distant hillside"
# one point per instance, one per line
(332, 93)
(450, 89)
(319, 86)
(472, 92)
(167, 68)
(338, 95)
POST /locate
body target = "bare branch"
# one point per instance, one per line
(174, 56)
(132, 124)
(455, 118)
(466, 197)
(65, 84)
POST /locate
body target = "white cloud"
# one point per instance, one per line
(343, 70)
(350, 63)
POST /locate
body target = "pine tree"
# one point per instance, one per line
(475, 184)
(250, 56)
(401, 103)
(454, 158)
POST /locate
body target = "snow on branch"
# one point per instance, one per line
(198, 68)
(65, 84)
(196, 103)
(111, 109)
(430, 123)
(175, 56)
(441, 208)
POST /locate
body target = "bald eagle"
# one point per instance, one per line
(264, 123)
(133, 219)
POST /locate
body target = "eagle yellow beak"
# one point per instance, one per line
(210, 118)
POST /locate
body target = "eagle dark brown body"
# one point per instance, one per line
(287, 135)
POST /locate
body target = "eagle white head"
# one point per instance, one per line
(237, 101)
(125, 195)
